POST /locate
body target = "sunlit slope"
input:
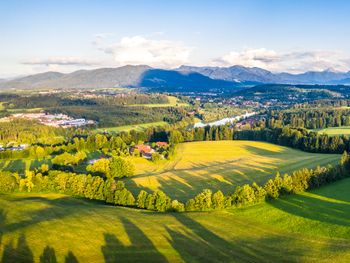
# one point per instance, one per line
(220, 165)
(313, 227)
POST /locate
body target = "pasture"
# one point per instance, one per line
(136, 127)
(173, 102)
(220, 165)
(311, 227)
(332, 131)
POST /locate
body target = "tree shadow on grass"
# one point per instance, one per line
(15, 166)
(315, 209)
(19, 254)
(56, 209)
(70, 258)
(2, 223)
(140, 250)
(48, 255)
(196, 243)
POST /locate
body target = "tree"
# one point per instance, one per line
(177, 206)
(218, 200)
(120, 167)
(141, 199)
(156, 157)
(175, 137)
(100, 166)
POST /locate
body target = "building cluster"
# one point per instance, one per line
(12, 147)
(54, 120)
(146, 150)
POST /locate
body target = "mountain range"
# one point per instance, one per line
(184, 78)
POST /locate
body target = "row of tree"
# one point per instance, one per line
(112, 192)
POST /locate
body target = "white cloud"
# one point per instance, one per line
(295, 62)
(139, 50)
(62, 61)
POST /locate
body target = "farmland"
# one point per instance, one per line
(308, 227)
(220, 165)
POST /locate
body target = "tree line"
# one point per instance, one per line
(115, 192)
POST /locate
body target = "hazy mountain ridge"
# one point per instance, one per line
(240, 73)
(182, 78)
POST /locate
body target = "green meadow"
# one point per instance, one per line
(332, 131)
(136, 127)
(220, 165)
(310, 227)
(173, 102)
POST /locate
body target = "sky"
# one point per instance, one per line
(292, 36)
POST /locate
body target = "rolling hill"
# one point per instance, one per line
(184, 78)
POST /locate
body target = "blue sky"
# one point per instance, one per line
(283, 35)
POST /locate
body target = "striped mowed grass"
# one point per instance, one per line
(220, 165)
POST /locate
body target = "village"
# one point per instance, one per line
(54, 120)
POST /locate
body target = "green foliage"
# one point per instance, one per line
(218, 200)
(156, 157)
(9, 182)
(120, 167)
(100, 166)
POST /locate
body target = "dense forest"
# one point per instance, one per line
(313, 118)
(107, 110)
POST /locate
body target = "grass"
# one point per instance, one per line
(21, 165)
(311, 227)
(220, 165)
(137, 127)
(332, 131)
(173, 102)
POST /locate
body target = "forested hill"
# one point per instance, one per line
(183, 79)
(127, 76)
(284, 91)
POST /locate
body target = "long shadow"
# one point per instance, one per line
(198, 244)
(140, 250)
(15, 166)
(19, 254)
(2, 223)
(70, 258)
(57, 209)
(315, 209)
(263, 151)
(48, 255)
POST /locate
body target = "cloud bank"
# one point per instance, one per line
(139, 50)
(62, 61)
(294, 62)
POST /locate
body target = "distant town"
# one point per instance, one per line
(54, 120)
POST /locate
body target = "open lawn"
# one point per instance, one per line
(136, 127)
(220, 165)
(312, 227)
(344, 130)
(173, 102)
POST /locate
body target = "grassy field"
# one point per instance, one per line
(21, 165)
(344, 130)
(312, 227)
(136, 127)
(220, 165)
(173, 102)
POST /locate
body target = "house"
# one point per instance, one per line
(162, 144)
(145, 150)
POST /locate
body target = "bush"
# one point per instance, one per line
(9, 182)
